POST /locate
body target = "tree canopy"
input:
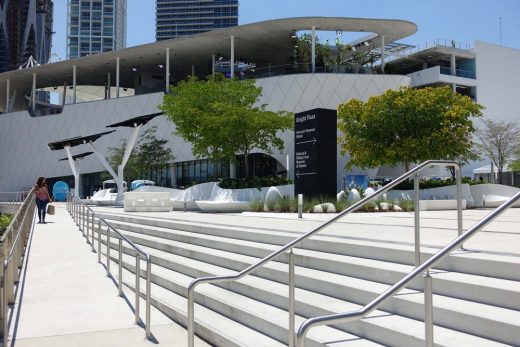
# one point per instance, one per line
(498, 141)
(407, 126)
(148, 152)
(221, 119)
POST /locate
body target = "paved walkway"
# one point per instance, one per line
(66, 298)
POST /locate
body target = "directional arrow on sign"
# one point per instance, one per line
(298, 174)
(313, 141)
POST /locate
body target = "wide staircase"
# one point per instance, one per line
(476, 297)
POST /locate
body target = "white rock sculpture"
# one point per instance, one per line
(353, 196)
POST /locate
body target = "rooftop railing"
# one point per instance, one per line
(436, 42)
(458, 72)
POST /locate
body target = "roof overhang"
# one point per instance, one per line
(263, 42)
(76, 141)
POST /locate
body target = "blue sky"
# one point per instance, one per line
(460, 20)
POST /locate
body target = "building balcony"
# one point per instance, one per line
(442, 75)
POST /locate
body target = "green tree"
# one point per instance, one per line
(303, 50)
(407, 126)
(221, 119)
(498, 141)
(149, 151)
(152, 151)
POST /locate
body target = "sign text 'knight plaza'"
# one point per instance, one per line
(315, 158)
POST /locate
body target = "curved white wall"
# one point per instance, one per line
(23, 140)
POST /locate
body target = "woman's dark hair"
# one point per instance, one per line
(40, 183)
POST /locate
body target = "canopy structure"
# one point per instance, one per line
(76, 141)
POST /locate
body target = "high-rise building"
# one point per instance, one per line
(25, 31)
(176, 18)
(95, 26)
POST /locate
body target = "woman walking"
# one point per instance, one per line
(42, 198)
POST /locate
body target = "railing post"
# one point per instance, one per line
(300, 205)
(459, 201)
(99, 241)
(120, 267)
(148, 295)
(108, 251)
(417, 225)
(191, 317)
(137, 285)
(428, 309)
(291, 298)
(4, 304)
(92, 223)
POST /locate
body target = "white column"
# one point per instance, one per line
(75, 171)
(232, 170)
(383, 53)
(173, 175)
(232, 59)
(109, 89)
(313, 49)
(74, 84)
(453, 70)
(167, 72)
(7, 95)
(117, 77)
(212, 64)
(33, 95)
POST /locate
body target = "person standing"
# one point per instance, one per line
(42, 198)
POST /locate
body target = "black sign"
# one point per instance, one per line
(315, 157)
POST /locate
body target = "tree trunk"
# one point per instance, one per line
(406, 166)
(246, 164)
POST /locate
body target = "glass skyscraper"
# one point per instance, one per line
(25, 31)
(176, 18)
(95, 26)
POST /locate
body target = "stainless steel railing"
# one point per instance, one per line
(13, 242)
(13, 197)
(84, 216)
(424, 267)
(288, 247)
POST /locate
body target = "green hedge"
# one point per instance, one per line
(252, 182)
(432, 183)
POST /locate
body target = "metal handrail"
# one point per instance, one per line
(15, 254)
(374, 304)
(73, 205)
(289, 246)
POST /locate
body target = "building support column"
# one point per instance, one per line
(167, 72)
(453, 70)
(74, 84)
(7, 95)
(232, 170)
(33, 93)
(117, 77)
(383, 53)
(192, 70)
(232, 59)
(313, 49)
(212, 64)
(173, 175)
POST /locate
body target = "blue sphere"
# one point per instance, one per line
(60, 190)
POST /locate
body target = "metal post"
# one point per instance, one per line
(383, 53)
(148, 294)
(33, 96)
(108, 251)
(74, 84)
(7, 96)
(428, 309)
(167, 72)
(191, 318)
(313, 48)
(212, 64)
(99, 241)
(92, 223)
(300, 205)
(137, 285)
(232, 59)
(459, 201)
(117, 77)
(109, 90)
(417, 220)
(120, 267)
(291, 298)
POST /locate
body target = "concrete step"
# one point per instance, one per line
(482, 320)
(491, 291)
(383, 327)
(220, 326)
(478, 263)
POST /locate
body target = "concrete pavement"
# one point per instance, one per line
(66, 299)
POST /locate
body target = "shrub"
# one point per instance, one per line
(406, 205)
(257, 205)
(271, 204)
(434, 183)
(286, 204)
(252, 182)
